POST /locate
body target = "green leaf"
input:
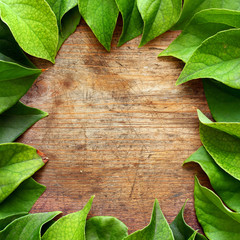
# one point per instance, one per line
(15, 79)
(223, 101)
(226, 186)
(193, 237)
(202, 26)
(158, 228)
(16, 120)
(17, 163)
(218, 222)
(27, 227)
(10, 50)
(68, 17)
(132, 20)
(20, 202)
(105, 228)
(34, 26)
(158, 17)
(181, 230)
(218, 57)
(101, 18)
(222, 142)
(71, 226)
(190, 8)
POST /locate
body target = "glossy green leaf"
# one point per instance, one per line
(105, 228)
(181, 230)
(27, 227)
(226, 186)
(9, 49)
(71, 226)
(20, 202)
(190, 8)
(16, 120)
(33, 25)
(218, 57)
(218, 222)
(158, 17)
(68, 17)
(18, 162)
(132, 20)
(223, 101)
(101, 18)
(15, 79)
(202, 26)
(222, 142)
(158, 228)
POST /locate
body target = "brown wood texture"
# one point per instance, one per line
(118, 128)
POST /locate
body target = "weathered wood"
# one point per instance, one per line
(118, 128)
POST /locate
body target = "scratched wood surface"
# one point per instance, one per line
(118, 128)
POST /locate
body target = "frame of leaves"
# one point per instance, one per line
(209, 45)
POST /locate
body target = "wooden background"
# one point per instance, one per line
(118, 128)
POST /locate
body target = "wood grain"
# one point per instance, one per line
(118, 128)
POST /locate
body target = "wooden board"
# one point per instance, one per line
(118, 128)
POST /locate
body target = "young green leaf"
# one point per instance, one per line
(101, 18)
(202, 26)
(17, 163)
(105, 228)
(190, 8)
(20, 202)
(71, 226)
(218, 222)
(181, 230)
(132, 20)
(158, 17)
(158, 228)
(34, 26)
(218, 57)
(222, 141)
(226, 186)
(223, 101)
(27, 227)
(16, 120)
(10, 50)
(68, 17)
(15, 79)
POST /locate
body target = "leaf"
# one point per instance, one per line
(101, 18)
(20, 201)
(222, 142)
(10, 50)
(27, 227)
(226, 186)
(190, 8)
(158, 228)
(218, 222)
(132, 20)
(158, 17)
(202, 26)
(68, 17)
(17, 163)
(16, 120)
(223, 101)
(181, 230)
(15, 79)
(33, 25)
(105, 228)
(71, 226)
(218, 57)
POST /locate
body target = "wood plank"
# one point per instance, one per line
(118, 128)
